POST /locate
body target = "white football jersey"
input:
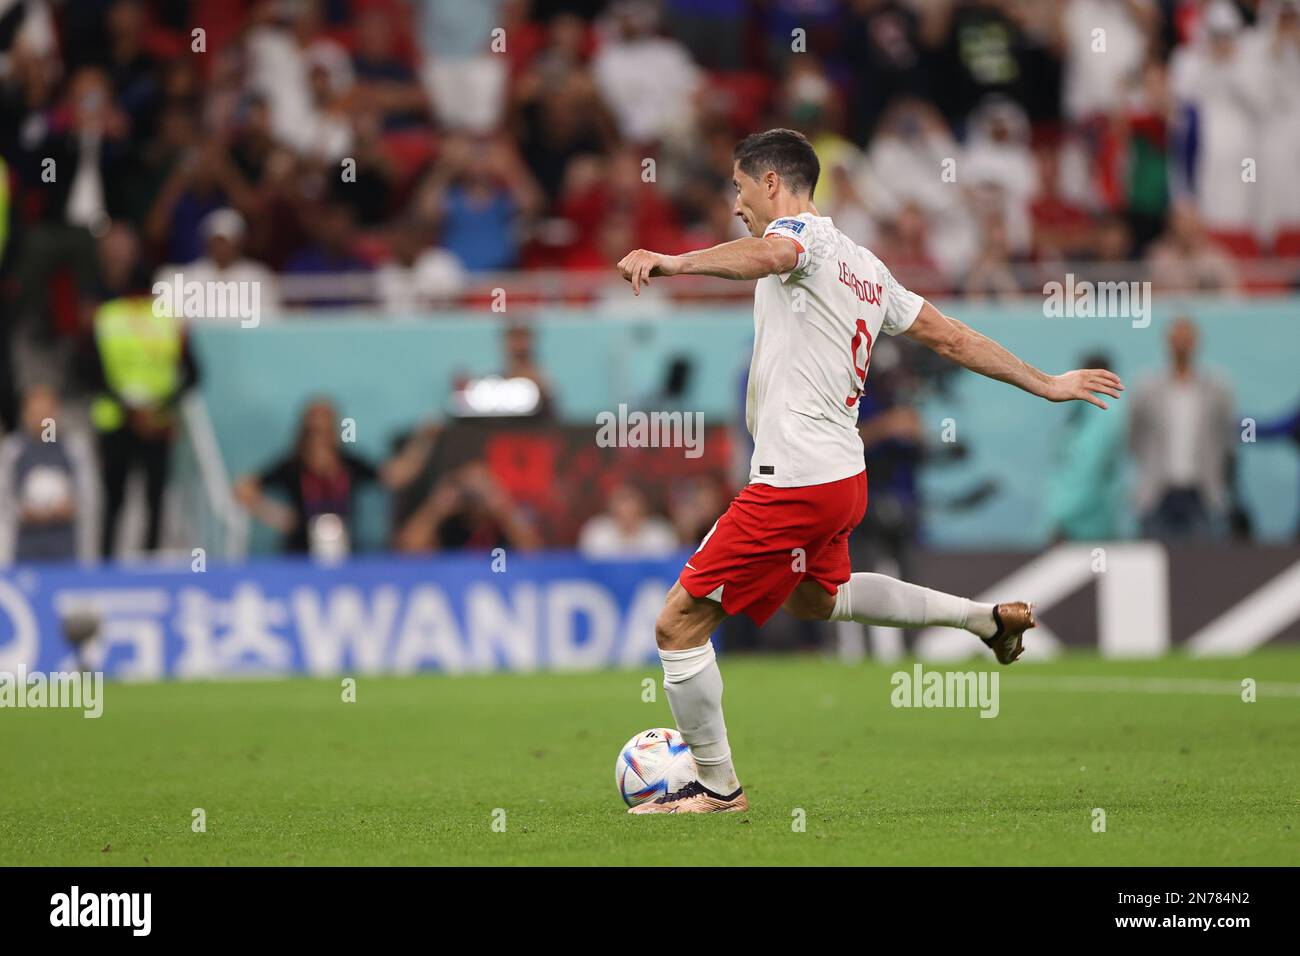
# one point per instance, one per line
(814, 330)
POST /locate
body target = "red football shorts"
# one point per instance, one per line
(770, 540)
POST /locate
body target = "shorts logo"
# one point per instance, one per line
(766, 469)
(794, 225)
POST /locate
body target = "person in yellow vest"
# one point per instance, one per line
(143, 367)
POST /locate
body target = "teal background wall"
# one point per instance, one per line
(388, 375)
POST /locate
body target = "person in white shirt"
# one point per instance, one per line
(648, 81)
(820, 305)
(1224, 85)
(223, 232)
(419, 275)
(1180, 431)
(626, 529)
(1096, 78)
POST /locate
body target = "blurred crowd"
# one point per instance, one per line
(396, 154)
(389, 151)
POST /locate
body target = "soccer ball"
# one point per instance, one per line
(653, 763)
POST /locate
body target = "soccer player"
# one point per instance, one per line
(820, 303)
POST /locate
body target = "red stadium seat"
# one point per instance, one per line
(222, 21)
(409, 151)
(1238, 244)
(373, 247)
(64, 303)
(1287, 244)
(743, 97)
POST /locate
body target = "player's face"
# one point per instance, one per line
(751, 201)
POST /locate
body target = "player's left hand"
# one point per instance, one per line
(1084, 385)
(640, 264)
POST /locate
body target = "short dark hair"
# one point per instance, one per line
(786, 152)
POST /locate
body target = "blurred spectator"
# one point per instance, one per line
(480, 192)
(1220, 87)
(298, 71)
(893, 442)
(141, 366)
(850, 211)
(387, 84)
(1084, 495)
(905, 244)
(132, 70)
(695, 507)
(1000, 168)
(319, 478)
(467, 510)
(648, 80)
(991, 276)
(465, 78)
(521, 362)
(120, 269)
(1095, 80)
(223, 231)
(1144, 131)
(47, 485)
(913, 143)
(626, 529)
(1286, 428)
(558, 113)
(1185, 260)
(371, 181)
(418, 275)
(988, 47)
(1062, 227)
(712, 30)
(604, 195)
(202, 181)
(1180, 426)
(892, 62)
(1276, 45)
(75, 153)
(813, 105)
(331, 252)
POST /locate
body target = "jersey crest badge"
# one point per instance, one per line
(794, 225)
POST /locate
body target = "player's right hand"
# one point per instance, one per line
(640, 264)
(1084, 385)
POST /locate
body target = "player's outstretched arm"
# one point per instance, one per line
(739, 259)
(960, 343)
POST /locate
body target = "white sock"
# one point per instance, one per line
(877, 599)
(694, 687)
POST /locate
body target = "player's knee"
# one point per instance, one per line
(824, 605)
(811, 604)
(670, 635)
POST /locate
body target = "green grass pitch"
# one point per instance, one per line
(414, 771)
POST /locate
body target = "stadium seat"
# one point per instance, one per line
(409, 150)
(743, 96)
(1239, 244)
(1287, 244)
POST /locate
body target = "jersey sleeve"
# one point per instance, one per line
(901, 306)
(796, 230)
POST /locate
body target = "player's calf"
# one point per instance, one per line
(878, 599)
(685, 621)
